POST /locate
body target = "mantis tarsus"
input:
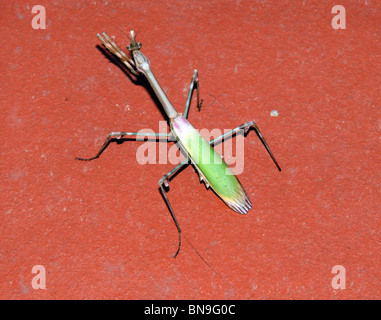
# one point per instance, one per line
(211, 167)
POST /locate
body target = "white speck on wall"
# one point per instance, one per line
(274, 113)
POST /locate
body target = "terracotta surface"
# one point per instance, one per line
(102, 230)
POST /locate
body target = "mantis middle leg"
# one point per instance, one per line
(119, 135)
(194, 83)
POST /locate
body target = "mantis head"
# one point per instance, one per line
(133, 44)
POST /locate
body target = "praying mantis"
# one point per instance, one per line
(211, 167)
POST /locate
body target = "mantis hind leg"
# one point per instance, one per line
(194, 84)
(163, 183)
(246, 127)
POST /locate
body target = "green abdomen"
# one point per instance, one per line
(211, 166)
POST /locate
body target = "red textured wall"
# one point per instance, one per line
(102, 230)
